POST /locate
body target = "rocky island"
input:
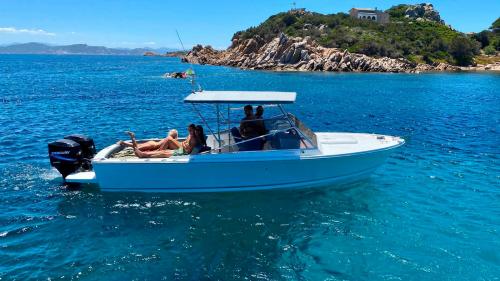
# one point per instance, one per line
(413, 39)
(301, 54)
(167, 54)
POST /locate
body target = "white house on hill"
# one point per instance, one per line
(370, 14)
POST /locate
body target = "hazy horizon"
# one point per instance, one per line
(83, 43)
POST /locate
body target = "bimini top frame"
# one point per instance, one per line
(244, 97)
(241, 97)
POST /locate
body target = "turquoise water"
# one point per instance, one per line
(432, 212)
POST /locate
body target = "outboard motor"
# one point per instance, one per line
(88, 149)
(66, 156)
(72, 153)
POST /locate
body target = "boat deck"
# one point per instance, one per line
(349, 143)
(328, 144)
(125, 153)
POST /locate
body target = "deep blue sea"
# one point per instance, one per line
(432, 212)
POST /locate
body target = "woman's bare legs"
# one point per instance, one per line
(148, 154)
(149, 145)
(137, 151)
(132, 138)
(154, 154)
(170, 143)
(124, 143)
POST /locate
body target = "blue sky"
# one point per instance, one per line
(126, 23)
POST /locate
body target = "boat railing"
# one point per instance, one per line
(275, 122)
(224, 120)
(228, 147)
(284, 122)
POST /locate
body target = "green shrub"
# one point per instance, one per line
(397, 12)
(483, 37)
(490, 50)
(495, 43)
(463, 50)
(495, 24)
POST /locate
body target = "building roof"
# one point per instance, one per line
(251, 97)
(365, 10)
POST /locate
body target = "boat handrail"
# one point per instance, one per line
(225, 120)
(274, 132)
(264, 106)
(272, 118)
(252, 139)
(305, 137)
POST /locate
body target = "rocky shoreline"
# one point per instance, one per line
(483, 67)
(285, 53)
(168, 54)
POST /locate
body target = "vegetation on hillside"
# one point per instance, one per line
(496, 24)
(490, 39)
(419, 41)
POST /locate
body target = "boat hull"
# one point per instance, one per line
(238, 172)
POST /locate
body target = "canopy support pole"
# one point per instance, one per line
(218, 126)
(229, 127)
(204, 121)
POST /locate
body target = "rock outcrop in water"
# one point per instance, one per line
(300, 54)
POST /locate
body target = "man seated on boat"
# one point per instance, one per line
(154, 145)
(249, 127)
(171, 147)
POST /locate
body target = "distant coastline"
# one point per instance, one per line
(34, 48)
(167, 54)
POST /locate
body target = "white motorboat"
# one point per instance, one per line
(289, 156)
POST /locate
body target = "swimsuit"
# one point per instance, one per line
(179, 152)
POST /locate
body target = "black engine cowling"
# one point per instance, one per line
(88, 149)
(66, 156)
(72, 153)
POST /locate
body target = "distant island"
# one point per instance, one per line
(404, 38)
(76, 49)
(166, 54)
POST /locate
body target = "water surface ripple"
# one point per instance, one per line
(432, 212)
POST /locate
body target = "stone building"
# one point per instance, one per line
(370, 14)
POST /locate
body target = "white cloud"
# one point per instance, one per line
(13, 30)
(149, 43)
